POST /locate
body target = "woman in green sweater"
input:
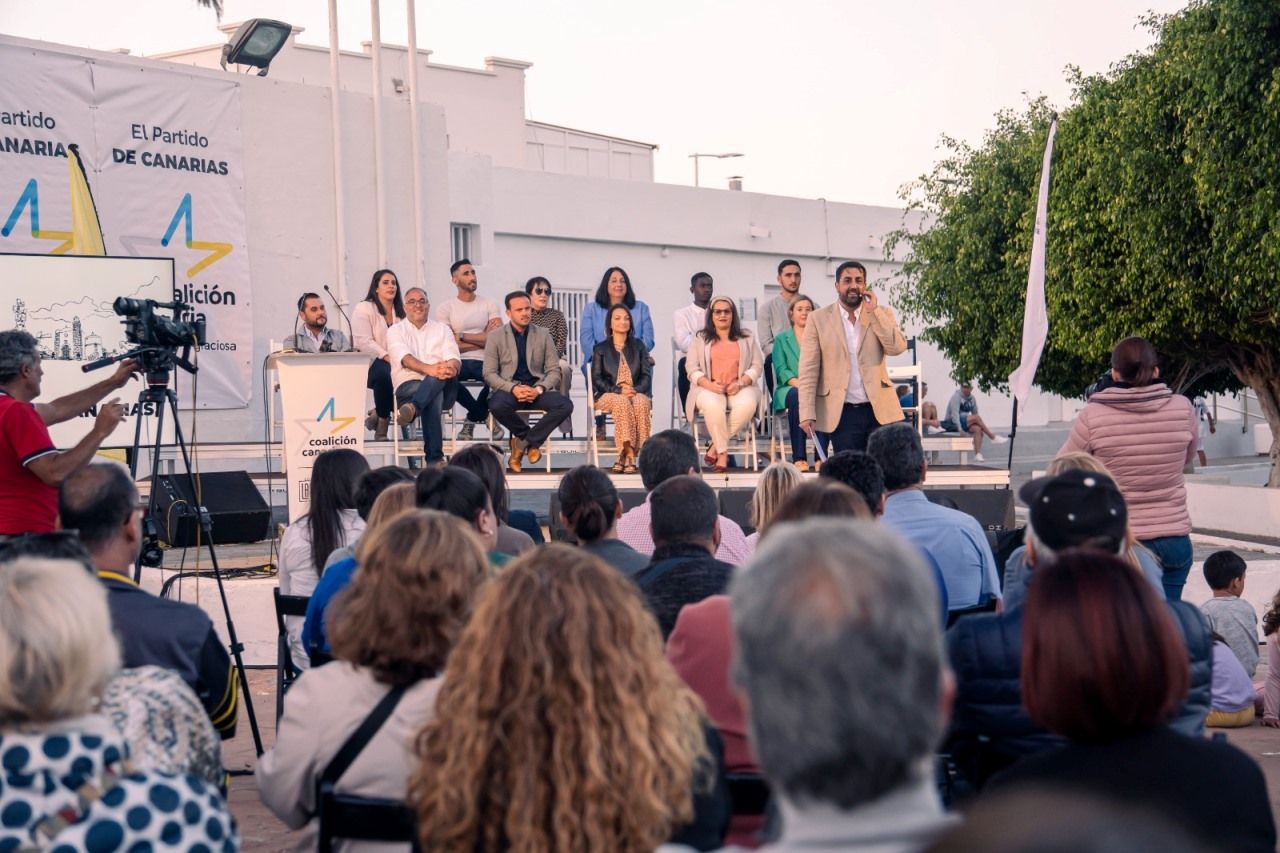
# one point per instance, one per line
(786, 365)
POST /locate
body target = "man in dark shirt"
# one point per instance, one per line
(101, 502)
(685, 523)
(522, 368)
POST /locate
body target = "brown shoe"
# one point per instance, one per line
(801, 465)
(517, 453)
(534, 455)
(371, 419)
(380, 431)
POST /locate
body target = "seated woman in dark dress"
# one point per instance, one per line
(1104, 666)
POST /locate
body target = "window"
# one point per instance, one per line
(465, 245)
(571, 303)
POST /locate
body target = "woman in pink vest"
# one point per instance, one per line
(1145, 434)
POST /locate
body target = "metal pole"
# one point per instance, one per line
(380, 216)
(415, 147)
(695, 170)
(335, 121)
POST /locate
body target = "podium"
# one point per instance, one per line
(322, 400)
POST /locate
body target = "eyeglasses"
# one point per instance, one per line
(722, 312)
(542, 291)
(415, 302)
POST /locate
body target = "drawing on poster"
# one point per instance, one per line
(65, 301)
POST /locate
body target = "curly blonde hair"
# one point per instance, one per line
(559, 725)
(406, 607)
(775, 483)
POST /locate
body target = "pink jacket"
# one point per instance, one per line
(1144, 436)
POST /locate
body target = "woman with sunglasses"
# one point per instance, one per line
(724, 365)
(551, 319)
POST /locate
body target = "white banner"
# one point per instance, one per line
(1035, 317)
(322, 408)
(163, 156)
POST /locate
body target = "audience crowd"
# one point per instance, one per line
(861, 672)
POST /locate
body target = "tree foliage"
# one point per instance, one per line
(1164, 218)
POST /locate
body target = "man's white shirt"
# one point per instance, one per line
(431, 344)
(856, 392)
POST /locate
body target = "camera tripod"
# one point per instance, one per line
(158, 393)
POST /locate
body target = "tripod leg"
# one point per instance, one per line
(206, 531)
(153, 493)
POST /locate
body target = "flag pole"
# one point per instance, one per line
(1013, 433)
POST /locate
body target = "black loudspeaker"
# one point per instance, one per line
(631, 498)
(992, 507)
(237, 511)
(735, 505)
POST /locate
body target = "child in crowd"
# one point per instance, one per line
(1232, 693)
(1269, 690)
(1228, 614)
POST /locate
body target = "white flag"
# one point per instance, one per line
(1035, 318)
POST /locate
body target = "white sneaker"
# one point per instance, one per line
(1000, 439)
(978, 457)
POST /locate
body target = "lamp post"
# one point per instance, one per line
(697, 157)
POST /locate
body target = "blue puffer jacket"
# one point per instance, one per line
(990, 729)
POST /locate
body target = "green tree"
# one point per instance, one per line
(1164, 219)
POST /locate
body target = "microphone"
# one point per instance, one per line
(351, 335)
(293, 344)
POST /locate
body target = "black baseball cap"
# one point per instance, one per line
(1076, 508)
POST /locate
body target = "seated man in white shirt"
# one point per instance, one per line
(687, 322)
(316, 336)
(424, 370)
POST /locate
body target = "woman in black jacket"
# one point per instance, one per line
(621, 382)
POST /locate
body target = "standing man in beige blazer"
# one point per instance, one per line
(835, 399)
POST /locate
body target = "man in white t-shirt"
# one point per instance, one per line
(424, 370)
(471, 318)
(687, 322)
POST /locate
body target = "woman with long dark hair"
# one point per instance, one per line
(622, 383)
(1144, 433)
(460, 493)
(1104, 666)
(486, 463)
(615, 289)
(381, 308)
(724, 365)
(331, 523)
(590, 507)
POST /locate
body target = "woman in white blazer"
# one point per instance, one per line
(724, 364)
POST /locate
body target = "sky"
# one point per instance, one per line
(837, 99)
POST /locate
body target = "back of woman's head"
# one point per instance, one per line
(558, 696)
(454, 490)
(1101, 657)
(333, 488)
(393, 502)
(403, 613)
(57, 649)
(483, 461)
(589, 502)
(776, 482)
(1134, 360)
(817, 498)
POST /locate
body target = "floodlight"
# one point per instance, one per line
(255, 44)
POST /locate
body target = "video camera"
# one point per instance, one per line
(156, 338)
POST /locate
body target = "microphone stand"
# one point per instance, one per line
(351, 333)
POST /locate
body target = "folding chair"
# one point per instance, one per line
(745, 445)
(593, 442)
(352, 818)
(287, 671)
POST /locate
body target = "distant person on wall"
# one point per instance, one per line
(1207, 424)
(522, 370)
(686, 322)
(380, 309)
(424, 370)
(962, 416)
(614, 289)
(776, 317)
(929, 420)
(316, 336)
(31, 468)
(471, 318)
(845, 389)
(622, 383)
(786, 366)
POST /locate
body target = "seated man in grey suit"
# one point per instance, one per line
(522, 367)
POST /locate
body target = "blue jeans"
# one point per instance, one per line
(857, 422)
(1174, 554)
(799, 438)
(477, 406)
(430, 395)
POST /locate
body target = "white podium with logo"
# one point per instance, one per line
(322, 401)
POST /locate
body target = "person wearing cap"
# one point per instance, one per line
(990, 728)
